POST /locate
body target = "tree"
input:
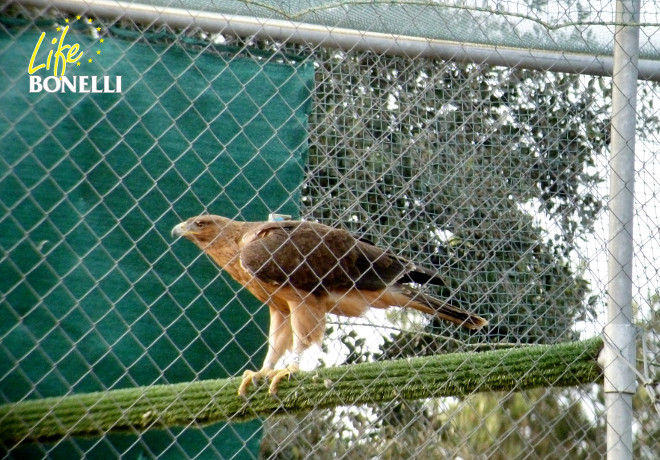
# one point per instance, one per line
(647, 432)
(455, 166)
(486, 174)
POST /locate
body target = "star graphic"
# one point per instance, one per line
(90, 59)
(58, 29)
(98, 51)
(78, 18)
(78, 63)
(101, 40)
(66, 20)
(89, 20)
(98, 29)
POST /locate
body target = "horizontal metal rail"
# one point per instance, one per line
(348, 39)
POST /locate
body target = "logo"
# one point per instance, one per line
(61, 54)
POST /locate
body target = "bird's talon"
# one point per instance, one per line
(250, 377)
(275, 379)
(275, 376)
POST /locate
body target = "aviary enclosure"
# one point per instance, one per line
(509, 147)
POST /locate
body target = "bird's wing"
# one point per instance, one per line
(315, 258)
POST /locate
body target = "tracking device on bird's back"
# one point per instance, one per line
(274, 217)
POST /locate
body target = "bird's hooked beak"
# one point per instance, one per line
(180, 230)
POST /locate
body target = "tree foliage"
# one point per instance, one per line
(646, 410)
(485, 174)
(488, 175)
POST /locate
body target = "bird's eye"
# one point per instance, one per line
(200, 224)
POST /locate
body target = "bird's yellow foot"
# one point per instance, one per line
(274, 375)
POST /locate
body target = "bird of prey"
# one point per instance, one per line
(304, 270)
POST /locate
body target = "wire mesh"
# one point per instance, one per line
(493, 177)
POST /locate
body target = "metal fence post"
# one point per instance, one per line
(619, 332)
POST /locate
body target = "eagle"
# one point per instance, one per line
(304, 270)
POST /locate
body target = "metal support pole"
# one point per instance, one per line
(620, 384)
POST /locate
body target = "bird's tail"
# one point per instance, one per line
(442, 309)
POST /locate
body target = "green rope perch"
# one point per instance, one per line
(210, 401)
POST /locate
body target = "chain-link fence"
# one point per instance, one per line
(487, 142)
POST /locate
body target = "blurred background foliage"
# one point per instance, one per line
(490, 176)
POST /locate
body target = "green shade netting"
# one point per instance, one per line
(95, 294)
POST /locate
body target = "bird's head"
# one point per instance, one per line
(202, 230)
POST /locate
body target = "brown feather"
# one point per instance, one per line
(304, 270)
(317, 258)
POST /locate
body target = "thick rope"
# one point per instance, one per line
(210, 401)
